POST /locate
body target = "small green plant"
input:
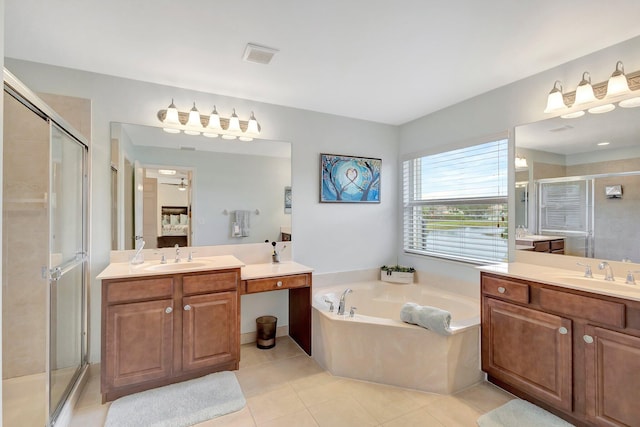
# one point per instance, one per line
(399, 268)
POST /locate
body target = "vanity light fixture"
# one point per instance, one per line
(603, 143)
(233, 127)
(618, 84)
(586, 97)
(584, 92)
(555, 100)
(193, 122)
(211, 126)
(171, 118)
(521, 162)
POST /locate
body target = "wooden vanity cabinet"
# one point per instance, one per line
(574, 353)
(612, 370)
(160, 330)
(525, 348)
(299, 288)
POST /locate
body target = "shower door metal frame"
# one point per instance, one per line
(30, 100)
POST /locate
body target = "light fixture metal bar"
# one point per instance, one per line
(600, 89)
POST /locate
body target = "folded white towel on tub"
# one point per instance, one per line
(432, 318)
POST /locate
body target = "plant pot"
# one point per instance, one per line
(396, 276)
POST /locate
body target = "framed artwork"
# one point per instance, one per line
(349, 179)
(287, 200)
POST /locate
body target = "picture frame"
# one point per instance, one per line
(349, 179)
(287, 200)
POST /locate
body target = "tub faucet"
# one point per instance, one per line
(341, 305)
(177, 252)
(608, 271)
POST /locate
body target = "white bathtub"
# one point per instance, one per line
(375, 345)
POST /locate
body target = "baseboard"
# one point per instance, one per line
(249, 337)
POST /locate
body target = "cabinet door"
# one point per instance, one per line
(209, 330)
(138, 342)
(528, 349)
(612, 367)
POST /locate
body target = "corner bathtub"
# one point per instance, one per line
(375, 345)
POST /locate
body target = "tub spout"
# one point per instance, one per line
(342, 298)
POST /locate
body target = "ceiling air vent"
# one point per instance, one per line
(258, 54)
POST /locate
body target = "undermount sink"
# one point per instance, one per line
(617, 285)
(177, 266)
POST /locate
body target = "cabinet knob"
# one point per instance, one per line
(588, 339)
(279, 283)
(168, 310)
(187, 307)
(502, 290)
(563, 330)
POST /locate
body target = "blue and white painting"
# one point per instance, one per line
(349, 179)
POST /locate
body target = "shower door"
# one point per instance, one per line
(67, 242)
(44, 227)
(565, 208)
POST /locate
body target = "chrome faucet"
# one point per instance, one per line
(341, 305)
(587, 269)
(608, 271)
(631, 280)
(177, 253)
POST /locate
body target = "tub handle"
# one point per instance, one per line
(352, 312)
(330, 304)
(502, 290)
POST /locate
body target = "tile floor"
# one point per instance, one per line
(285, 387)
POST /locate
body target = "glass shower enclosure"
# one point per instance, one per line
(44, 275)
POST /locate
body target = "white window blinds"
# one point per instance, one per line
(455, 203)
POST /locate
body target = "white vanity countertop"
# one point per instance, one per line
(286, 268)
(566, 278)
(120, 270)
(537, 238)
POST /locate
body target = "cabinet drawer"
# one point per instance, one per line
(210, 282)
(276, 283)
(596, 310)
(542, 246)
(505, 289)
(557, 245)
(139, 290)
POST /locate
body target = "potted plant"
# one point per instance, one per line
(397, 274)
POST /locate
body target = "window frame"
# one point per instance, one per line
(410, 186)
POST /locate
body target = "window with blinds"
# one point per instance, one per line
(455, 203)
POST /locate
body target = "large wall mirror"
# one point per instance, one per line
(196, 191)
(578, 185)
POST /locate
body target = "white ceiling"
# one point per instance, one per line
(379, 60)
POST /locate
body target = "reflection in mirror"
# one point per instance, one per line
(565, 197)
(222, 192)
